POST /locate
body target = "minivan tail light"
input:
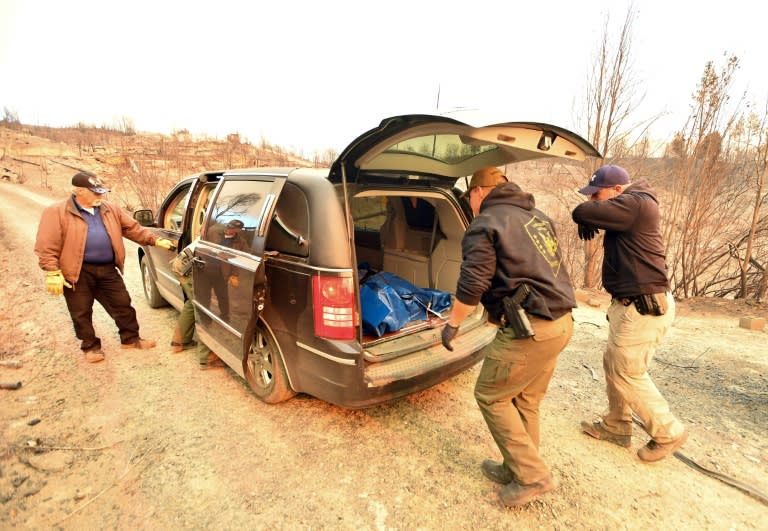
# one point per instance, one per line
(334, 306)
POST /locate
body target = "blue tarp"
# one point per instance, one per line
(390, 302)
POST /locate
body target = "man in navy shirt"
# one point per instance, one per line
(80, 247)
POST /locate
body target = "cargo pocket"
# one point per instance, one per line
(629, 328)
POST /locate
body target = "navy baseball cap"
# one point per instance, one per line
(605, 177)
(86, 179)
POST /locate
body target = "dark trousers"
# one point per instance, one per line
(101, 283)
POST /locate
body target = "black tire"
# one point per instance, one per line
(154, 299)
(264, 370)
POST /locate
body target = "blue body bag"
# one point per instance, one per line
(389, 303)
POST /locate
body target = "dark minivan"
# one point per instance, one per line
(293, 321)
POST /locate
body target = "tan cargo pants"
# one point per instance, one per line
(632, 342)
(512, 383)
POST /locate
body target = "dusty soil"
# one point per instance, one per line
(147, 440)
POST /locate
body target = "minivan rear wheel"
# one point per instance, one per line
(264, 370)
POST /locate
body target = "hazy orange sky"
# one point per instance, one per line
(310, 75)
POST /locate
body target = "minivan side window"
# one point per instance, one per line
(289, 229)
(174, 212)
(240, 204)
(369, 213)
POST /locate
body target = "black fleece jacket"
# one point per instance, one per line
(510, 242)
(634, 260)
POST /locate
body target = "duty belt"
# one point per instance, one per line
(652, 303)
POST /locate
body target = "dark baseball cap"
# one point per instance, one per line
(606, 177)
(86, 179)
(235, 224)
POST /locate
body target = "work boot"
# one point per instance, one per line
(514, 494)
(498, 472)
(212, 361)
(139, 344)
(655, 451)
(598, 431)
(93, 356)
(177, 347)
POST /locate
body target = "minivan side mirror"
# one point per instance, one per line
(144, 217)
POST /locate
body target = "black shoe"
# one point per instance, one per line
(514, 495)
(498, 472)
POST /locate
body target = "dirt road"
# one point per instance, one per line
(147, 440)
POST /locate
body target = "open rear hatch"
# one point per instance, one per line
(427, 155)
(444, 149)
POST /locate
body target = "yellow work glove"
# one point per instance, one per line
(234, 281)
(168, 245)
(55, 282)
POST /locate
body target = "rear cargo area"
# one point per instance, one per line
(417, 237)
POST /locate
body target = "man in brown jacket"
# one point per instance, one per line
(80, 247)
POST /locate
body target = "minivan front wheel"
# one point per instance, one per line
(264, 369)
(154, 299)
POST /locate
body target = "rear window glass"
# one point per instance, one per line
(449, 149)
(370, 213)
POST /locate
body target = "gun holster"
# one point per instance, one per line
(514, 315)
(653, 304)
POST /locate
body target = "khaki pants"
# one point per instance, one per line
(512, 383)
(632, 342)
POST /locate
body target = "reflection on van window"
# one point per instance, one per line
(238, 206)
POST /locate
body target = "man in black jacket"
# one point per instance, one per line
(641, 311)
(512, 265)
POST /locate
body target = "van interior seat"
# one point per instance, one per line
(446, 256)
(428, 258)
(446, 265)
(405, 250)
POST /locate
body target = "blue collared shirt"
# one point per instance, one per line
(98, 246)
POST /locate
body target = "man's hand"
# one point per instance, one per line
(234, 281)
(55, 282)
(165, 244)
(449, 332)
(587, 232)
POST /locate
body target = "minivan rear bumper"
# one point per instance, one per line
(430, 359)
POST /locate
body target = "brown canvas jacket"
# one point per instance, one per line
(61, 235)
